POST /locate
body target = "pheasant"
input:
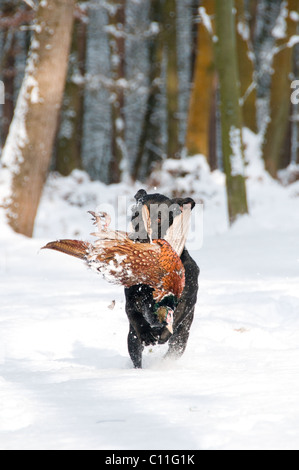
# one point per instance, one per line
(125, 262)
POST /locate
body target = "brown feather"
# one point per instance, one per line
(127, 263)
(75, 248)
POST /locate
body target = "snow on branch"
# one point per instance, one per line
(96, 81)
(293, 41)
(31, 4)
(236, 158)
(280, 29)
(206, 20)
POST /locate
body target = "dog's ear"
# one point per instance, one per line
(140, 195)
(189, 200)
(182, 201)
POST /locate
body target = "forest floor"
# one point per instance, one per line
(66, 380)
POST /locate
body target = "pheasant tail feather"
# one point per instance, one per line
(75, 248)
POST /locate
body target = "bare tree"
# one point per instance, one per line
(116, 33)
(150, 130)
(231, 118)
(282, 66)
(246, 64)
(203, 87)
(68, 148)
(172, 78)
(28, 149)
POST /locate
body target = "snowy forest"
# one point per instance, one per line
(138, 82)
(187, 98)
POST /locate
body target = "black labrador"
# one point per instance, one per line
(144, 330)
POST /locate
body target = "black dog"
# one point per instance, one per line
(139, 300)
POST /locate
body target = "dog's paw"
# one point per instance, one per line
(164, 335)
(151, 336)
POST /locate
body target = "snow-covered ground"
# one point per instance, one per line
(66, 381)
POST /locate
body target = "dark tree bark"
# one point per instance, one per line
(150, 131)
(246, 66)
(231, 118)
(116, 31)
(69, 140)
(279, 112)
(203, 89)
(12, 17)
(172, 79)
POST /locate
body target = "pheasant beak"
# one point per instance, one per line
(165, 315)
(169, 321)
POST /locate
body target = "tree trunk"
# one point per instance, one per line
(203, 89)
(150, 131)
(246, 68)
(231, 118)
(9, 11)
(279, 112)
(8, 73)
(295, 114)
(69, 139)
(172, 79)
(213, 130)
(28, 149)
(116, 31)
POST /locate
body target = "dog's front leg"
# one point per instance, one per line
(184, 312)
(139, 303)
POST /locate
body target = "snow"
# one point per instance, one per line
(294, 15)
(206, 20)
(243, 30)
(280, 29)
(236, 158)
(293, 40)
(66, 381)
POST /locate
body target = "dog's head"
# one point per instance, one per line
(162, 211)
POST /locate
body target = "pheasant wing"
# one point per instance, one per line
(172, 272)
(125, 262)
